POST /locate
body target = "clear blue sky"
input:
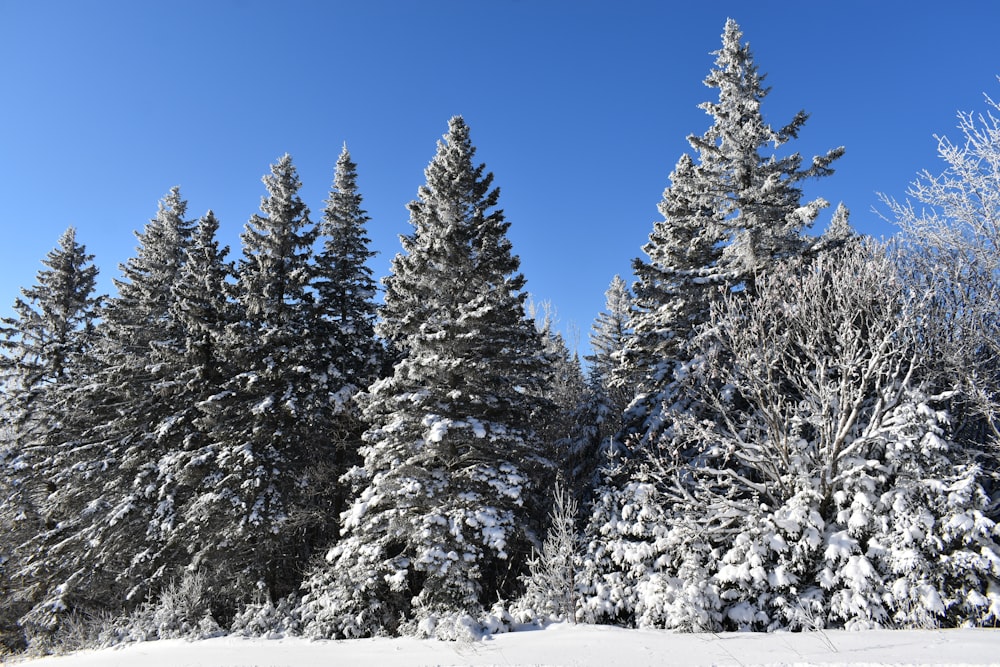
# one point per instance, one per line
(580, 109)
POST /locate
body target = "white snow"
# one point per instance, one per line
(567, 645)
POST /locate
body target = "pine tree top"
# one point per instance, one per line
(459, 239)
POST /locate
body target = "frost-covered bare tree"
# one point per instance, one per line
(831, 476)
(550, 587)
(821, 356)
(826, 488)
(951, 229)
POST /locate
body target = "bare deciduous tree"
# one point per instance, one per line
(951, 234)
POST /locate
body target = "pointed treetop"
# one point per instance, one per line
(68, 238)
(345, 175)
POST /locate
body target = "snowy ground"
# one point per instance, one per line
(566, 645)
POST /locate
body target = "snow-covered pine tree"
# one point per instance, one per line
(439, 527)
(643, 565)
(51, 330)
(167, 459)
(730, 216)
(610, 333)
(566, 427)
(672, 293)
(344, 327)
(762, 214)
(45, 349)
(345, 289)
(249, 508)
(727, 218)
(16, 525)
(202, 309)
(99, 509)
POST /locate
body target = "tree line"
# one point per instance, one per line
(773, 429)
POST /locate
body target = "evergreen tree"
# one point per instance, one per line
(344, 329)
(727, 218)
(566, 426)
(759, 203)
(345, 288)
(99, 509)
(672, 294)
(202, 310)
(249, 509)
(440, 523)
(550, 586)
(730, 218)
(45, 347)
(609, 337)
(51, 331)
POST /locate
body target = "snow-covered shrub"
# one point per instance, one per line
(765, 575)
(619, 552)
(460, 627)
(58, 619)
(76, 631)
(269, 620)
(500, 619)
(645, 566)
(455, 626)
(181, 610)
(73, 632)
(914, 531)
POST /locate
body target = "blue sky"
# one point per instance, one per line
(579, 108)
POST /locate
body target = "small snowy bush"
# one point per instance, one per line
(182, 610)
(269, 620)
(456, 627)
(75, 631)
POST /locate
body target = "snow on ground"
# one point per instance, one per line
(565, 645)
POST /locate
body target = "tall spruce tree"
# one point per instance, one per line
(50, 332)
(45, 351)
(758, 192)
(672, 293)
(202, 310)
(567, 425)
(730, 217)
(439, 526)
(344, 328)
(99, 508)
(609, 337)
(345, 289)
(726, 218)
(141, 345)
(154, 447)
(253, 530)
